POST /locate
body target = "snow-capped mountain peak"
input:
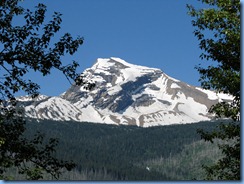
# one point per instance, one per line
(128, 94)
(121, 69)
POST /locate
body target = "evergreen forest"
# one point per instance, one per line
(119, 152)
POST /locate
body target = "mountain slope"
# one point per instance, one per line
(127, 94)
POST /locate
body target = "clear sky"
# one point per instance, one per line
(153, 33)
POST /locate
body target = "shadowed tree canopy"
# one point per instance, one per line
(218, 32)
(24, 48)
(28, 48)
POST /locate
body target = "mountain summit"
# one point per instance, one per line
(127, 94)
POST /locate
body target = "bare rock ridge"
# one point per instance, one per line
(127, 94)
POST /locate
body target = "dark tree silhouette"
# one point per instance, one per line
(23, 49)
(221, 45)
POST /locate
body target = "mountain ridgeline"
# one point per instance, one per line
(126, 94)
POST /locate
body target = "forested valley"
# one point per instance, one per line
(112, 152)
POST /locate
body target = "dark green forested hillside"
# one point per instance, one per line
(111, 152)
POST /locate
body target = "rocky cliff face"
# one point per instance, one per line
(128, 94)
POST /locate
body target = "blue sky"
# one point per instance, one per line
(154, 33)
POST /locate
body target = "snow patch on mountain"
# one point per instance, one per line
(127, 94)
(213, 95)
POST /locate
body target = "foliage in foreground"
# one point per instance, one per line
(218, 32)
(26, 46)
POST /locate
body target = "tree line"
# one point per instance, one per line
(120, 151)
(25, 48)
